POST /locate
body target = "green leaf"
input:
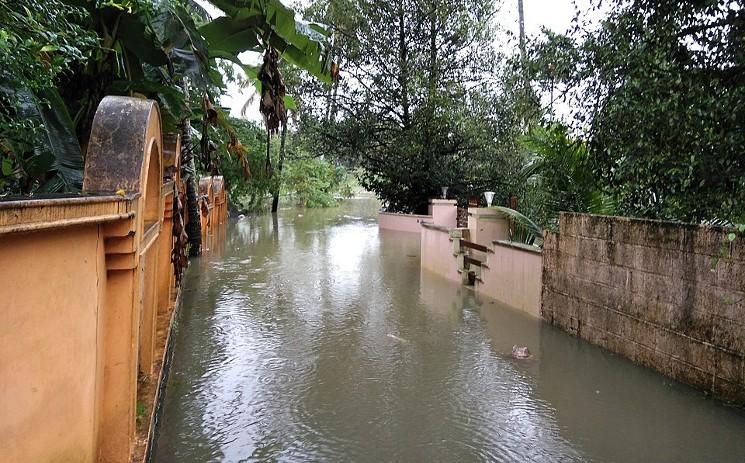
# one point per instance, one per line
(535, 231)
(731, 236)
(176, 29)
(56, 146)
(229, 7)
(290, 103)
(302, 43)
(7, 166)
(134, 36)
(229, 36)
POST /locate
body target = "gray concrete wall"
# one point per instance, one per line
(665, 295)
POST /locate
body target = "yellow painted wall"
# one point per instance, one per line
(48, 344)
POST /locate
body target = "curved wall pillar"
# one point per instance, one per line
(125, 157)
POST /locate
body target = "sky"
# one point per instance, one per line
(552, 14)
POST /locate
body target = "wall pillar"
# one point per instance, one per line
(165, 245)
(444, 212)
(487, 225)
(120, 340)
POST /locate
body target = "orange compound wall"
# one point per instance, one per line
(89, 298)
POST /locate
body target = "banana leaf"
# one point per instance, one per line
(56, 146)
(251, 22)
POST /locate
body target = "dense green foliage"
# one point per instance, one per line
(38, 42)
(640, 114)
(305, 180)
(658, 90)
(60, 58)
(558, 176)
(415, 108)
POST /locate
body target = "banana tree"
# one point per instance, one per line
(150, 48)
(257, 25)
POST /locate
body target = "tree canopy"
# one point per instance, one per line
(658, 91)
(640, 113)
(415, 108)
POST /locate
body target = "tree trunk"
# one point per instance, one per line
(403, 56)
(433, 67)
(194, 227)
(521, 17)
(189, 171)
(275, 198)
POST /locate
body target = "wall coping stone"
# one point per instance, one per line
(432, 226)
(401, 214)
(666, 223)
(519, 246)
(443, 202)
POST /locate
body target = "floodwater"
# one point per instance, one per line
(315, 337)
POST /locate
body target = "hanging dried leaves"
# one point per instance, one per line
(209, 161)
(236, 148)
(210, 113)
(180, 239)
(272, 104)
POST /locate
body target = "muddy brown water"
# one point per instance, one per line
(313, 336)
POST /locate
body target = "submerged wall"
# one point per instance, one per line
(402, 222)
(437, 251)
(668, 296)
(501, 270)
(512, 275)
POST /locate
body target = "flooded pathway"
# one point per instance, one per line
(315, 337)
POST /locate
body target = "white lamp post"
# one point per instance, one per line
(489, 195)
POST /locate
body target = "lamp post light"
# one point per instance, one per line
(489, 195)
(444, 190)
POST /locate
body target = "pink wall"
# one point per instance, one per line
(444, 212)
(513, 276)
(487, 225)
(402, 222)
(437, 253)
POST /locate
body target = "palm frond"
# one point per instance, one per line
(526, 230)
(601, 203)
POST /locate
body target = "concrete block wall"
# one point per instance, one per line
(666, 295)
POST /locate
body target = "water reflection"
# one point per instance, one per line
(313, 336)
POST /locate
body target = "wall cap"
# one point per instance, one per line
(519, 246)
(431, 226)
(443, 202)
(665, 223)
(400, 214)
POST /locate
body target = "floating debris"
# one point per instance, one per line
(521, 352)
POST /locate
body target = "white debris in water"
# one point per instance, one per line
(396, 338)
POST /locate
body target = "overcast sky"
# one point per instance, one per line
(552, 14)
